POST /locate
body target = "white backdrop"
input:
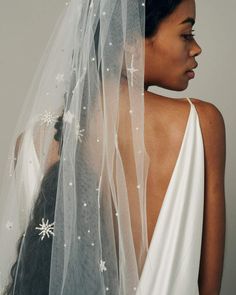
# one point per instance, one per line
(25, 27)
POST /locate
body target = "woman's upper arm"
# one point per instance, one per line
(214, 223)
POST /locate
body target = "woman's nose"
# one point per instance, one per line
(196, 50)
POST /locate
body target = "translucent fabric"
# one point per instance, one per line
(73, 201)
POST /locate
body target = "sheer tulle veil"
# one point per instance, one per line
(73, 200)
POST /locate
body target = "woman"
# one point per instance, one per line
(119, 202)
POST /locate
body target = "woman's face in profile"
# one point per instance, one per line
(172, 51)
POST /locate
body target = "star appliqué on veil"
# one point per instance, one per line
(79, 132)
(60, 78)
(48, 118)
(102, 265)
(132, 70)
(45, 229)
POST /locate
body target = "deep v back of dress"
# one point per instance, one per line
(173, 259)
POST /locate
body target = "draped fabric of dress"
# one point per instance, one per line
(31, 170)
(172, 263)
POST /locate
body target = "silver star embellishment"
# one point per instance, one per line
(60, 78)
(79, 132)
(45, 229)
(102, 266)
(132, 70)
(48, 118)
(68, 117)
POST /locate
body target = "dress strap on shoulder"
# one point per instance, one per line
(189, 100)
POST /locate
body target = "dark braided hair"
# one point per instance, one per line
(33, 265)
(33, 268)
(58, 126)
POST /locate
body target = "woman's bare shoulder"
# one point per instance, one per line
(211, 123)
(210, 117)
(213, 130)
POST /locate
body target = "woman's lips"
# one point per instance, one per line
(190, 74)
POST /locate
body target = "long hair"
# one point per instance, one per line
(36, 256)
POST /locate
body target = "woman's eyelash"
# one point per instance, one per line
(188, 36)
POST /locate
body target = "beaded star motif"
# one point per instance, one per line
(60, 78)
(102, 266)
(48, 118)
(79, 132)
(45, 229)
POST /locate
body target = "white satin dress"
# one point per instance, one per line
(173, 259)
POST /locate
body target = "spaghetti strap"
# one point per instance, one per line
(189, 100)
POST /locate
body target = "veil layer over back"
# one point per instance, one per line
(73, 203)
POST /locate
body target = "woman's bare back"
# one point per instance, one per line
(165, 123)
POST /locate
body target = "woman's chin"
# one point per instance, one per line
(182, 86)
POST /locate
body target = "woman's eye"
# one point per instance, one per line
(188, 37)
